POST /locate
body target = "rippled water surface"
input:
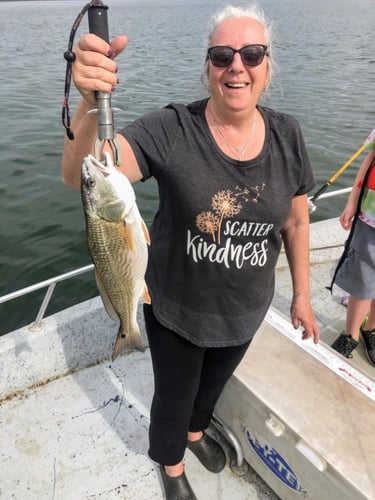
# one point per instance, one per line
(325, 78)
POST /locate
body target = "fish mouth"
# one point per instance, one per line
(85, 174)
(103, 166)
(92, 170)
(90, 174)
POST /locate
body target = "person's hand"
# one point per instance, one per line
(347, 215)
(301, 314)
(94, 68)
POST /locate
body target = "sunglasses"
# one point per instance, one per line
(222, 56)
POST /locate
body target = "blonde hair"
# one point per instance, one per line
(252, 12)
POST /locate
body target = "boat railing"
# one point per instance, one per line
(51, 283)
(332, 194)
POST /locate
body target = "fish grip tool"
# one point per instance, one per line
(98, 25)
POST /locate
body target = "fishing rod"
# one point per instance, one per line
(98, 25)
(370, 140)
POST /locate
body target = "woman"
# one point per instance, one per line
(233, 178)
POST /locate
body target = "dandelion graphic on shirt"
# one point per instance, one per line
(220, 222)
(225, 204)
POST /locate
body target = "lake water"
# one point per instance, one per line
(325, 78)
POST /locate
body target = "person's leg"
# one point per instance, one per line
(356, 312)
(177, 365)
(368, 333)
(370, 324)
(218, 365)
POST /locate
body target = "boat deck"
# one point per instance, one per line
(85, 436)
(73, 428)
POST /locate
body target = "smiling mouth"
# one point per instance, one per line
(236, 85)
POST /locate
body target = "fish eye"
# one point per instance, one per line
(90, 182)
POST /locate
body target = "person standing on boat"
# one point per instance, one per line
(233, 178)
(356, 269)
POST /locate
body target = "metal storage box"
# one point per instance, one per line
(305, 425)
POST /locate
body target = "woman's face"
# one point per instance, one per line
(237, 87)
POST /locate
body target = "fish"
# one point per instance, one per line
(118, 240)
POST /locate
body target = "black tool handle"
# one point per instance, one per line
(320, 191)
(98, 21)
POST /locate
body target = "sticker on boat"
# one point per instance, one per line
(273, 460)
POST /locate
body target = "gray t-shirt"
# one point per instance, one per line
(215, 238)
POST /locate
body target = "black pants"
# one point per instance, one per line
(188, 382)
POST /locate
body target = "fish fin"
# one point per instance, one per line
(130, 342)
(145, 232)
(145, 297)
(128, 234)
(105, 298)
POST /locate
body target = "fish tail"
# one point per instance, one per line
(130, 342)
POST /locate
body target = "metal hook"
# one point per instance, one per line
(114, 146)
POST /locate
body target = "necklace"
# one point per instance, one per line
(238, 151)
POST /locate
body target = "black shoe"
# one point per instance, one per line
(369, 340)
(209, 453)
(345, 344)
(176, 488)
